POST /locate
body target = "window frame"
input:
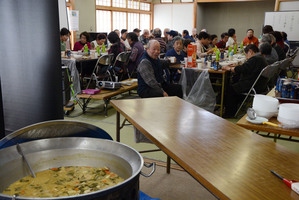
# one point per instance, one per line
(128, 10)
(167, 1)
(187, 1)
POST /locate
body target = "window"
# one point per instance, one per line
(166, 1)
(133, 21)
(145, 19)
(186, 1)
(103, 21)
(119, 3)
(103, 2)
(119, 20)
(123, 14)
(145, 6)
(133, 4)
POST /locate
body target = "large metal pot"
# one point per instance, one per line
(74, 151)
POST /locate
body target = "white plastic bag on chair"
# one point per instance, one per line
(197, 88)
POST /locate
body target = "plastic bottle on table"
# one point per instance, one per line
(103, 48)
(230, 58)
(85, 48)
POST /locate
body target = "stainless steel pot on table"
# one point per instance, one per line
(48, 153)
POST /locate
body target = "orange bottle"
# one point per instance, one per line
(191, 56)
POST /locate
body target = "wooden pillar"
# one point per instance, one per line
(194, 13)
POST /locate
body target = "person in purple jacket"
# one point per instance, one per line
(137, 51)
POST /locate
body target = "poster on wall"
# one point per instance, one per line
(74, 20)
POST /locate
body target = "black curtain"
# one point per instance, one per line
(30, 66)
(2, 129)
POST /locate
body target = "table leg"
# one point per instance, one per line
(222, 94)
(168, 165)
(84, 105)
(275, 136)
(106, 106)
(117, 126)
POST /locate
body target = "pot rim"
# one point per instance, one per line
(137, 172)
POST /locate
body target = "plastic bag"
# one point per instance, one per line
(139, 137)
(197, 88)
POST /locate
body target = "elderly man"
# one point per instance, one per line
(157, 34)
(152, 78)
(137, 31)
(144, 38)
(250, 39)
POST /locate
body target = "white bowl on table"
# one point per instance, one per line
(76, 56)
(265, 106)
(288, 114)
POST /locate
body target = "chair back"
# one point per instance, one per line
(295, 53)
(285, 64)
(295, 57)
(105, 59)
(271, 70)
(122, 57)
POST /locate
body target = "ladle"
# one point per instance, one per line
(252, 115)
(25, 159)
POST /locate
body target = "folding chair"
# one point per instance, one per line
(122, 58)
(262, 79)
(104, 61)
(294, 53)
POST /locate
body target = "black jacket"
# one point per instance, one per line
(248, 72)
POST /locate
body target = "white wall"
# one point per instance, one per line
(174, 16)
(87, 16)
(289, 5)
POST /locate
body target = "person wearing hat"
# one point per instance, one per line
(171, 35)
(144, 38)
(137, 31)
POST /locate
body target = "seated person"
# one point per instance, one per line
(245, 75)
(250, 39)
(176, 51)
(187, 36)
(157, 34)
(101, 39)
(266, 38)
(79, 46)
(64, 36)
(116, 47)
(136, 52)
(152, 80)
(222, 43)
(170, 35)
(232, 38)
(144, 38)
(185, 45)
(265, 50)
(214, 40)
(203, 40)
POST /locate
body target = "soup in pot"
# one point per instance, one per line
(64, 181)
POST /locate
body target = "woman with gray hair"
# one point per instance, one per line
(266, 38)
(176, 51)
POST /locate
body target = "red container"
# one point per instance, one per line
(191, 55)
